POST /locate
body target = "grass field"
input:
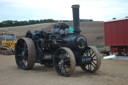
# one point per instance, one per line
(91, 30)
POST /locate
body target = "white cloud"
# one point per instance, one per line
(61, 9)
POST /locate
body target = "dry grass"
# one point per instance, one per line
(91, 30)
(21, 30)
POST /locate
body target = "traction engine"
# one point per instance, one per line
(60, 48)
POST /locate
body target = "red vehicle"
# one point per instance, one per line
(116, 36)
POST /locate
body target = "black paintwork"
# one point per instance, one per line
(48, 43)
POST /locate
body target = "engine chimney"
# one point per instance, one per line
(76, 21)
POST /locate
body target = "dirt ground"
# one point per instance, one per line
(111, 72)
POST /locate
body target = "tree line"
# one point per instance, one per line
(10, 23)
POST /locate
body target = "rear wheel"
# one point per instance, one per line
(25, 53)
(64, 61)
(95, 62)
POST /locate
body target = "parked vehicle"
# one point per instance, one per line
(8, 42)
(116, 36)
(62, 48)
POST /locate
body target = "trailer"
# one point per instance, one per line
(116, 36)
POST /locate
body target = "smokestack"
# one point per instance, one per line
(76, 21)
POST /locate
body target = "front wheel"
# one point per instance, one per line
(64, 61)
(95, 62)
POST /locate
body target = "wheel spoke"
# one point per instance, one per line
(88, 52)
(26, 50)
(20, 55)
(21, 58)
(19, 47)
(65, 70)
(94, 59)
(61, 68)
(93, 55)
(21, 63)
(87, 67)
(21, 42)
(66, 60)
(93, 65)
(25, 62)
(90, 66)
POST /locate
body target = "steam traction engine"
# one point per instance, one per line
(60, 48)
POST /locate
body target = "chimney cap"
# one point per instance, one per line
(75, 6)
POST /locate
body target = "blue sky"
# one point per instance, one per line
(98, 10)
